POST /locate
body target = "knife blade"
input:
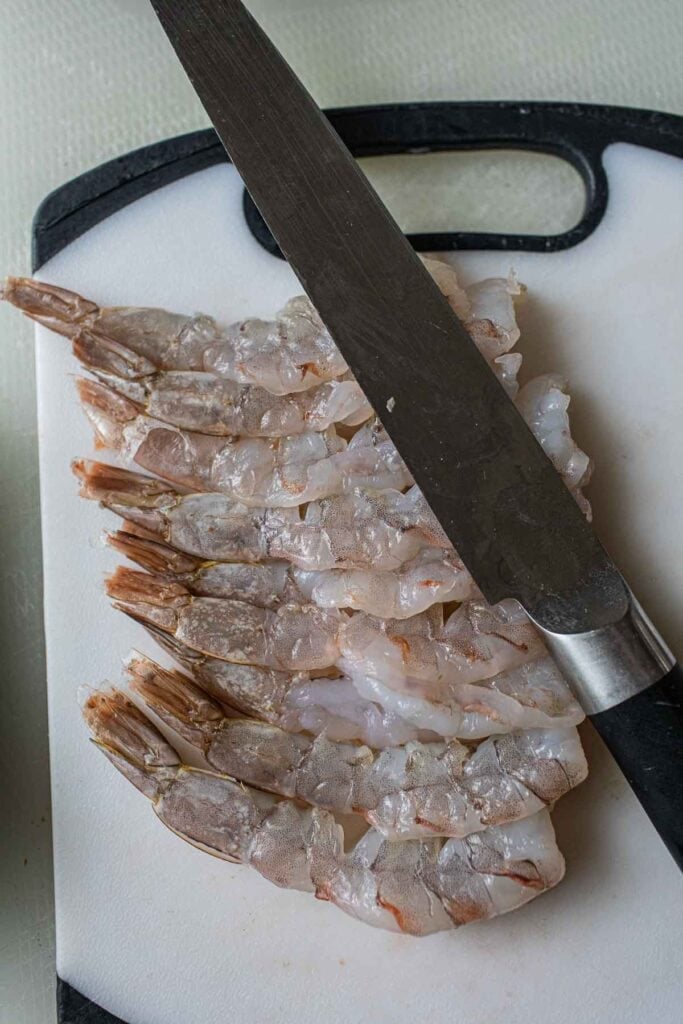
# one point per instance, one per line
(494, 491)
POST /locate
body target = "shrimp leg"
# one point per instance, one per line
(417, 887)
(440, 789)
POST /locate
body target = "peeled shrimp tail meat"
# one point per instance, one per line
(281, 471)
(380, 530)
(433, 575)
(532, 696)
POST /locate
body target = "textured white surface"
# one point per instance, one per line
(160, 933)
(84, 81)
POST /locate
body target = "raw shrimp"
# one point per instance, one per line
(405, 792)
(293, 700)
(210, 405)
(254, 470)
(264, 584)
(427, 657)
(417, 887)
(532, 696)
(362, 529)
(292, 353)
(202, 402)
(210, 526)
(433, 575)
(292, 638)
(543, 403)
(476, 642)
(310, 462)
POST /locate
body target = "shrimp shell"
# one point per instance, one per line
(416, 887)
(405, 792)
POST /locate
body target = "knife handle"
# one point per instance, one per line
(645, 736)
(629, 684)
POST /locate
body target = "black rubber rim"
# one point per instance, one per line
(577, 132)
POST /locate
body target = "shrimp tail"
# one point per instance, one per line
(107, 356)
(59, 309)
(101, 482)
(151, 554)
(107, 411)
(134, 497)
(191, 712)
(209, 810)
(129, 740)
(188, 658)
(146, 598)
(130, 585)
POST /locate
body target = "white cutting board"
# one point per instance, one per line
(160, 933)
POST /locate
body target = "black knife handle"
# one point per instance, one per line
(645, 736)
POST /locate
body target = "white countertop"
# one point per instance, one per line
(85, 81)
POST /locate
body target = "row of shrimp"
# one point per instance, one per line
(338, 659)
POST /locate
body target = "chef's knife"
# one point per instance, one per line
(496, 494)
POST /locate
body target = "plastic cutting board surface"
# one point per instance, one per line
(159, 933)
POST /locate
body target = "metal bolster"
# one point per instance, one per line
(607, 666)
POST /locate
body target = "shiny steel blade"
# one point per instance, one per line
(494, 491)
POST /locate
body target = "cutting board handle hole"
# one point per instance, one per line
(508, 195)
(497, 191)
